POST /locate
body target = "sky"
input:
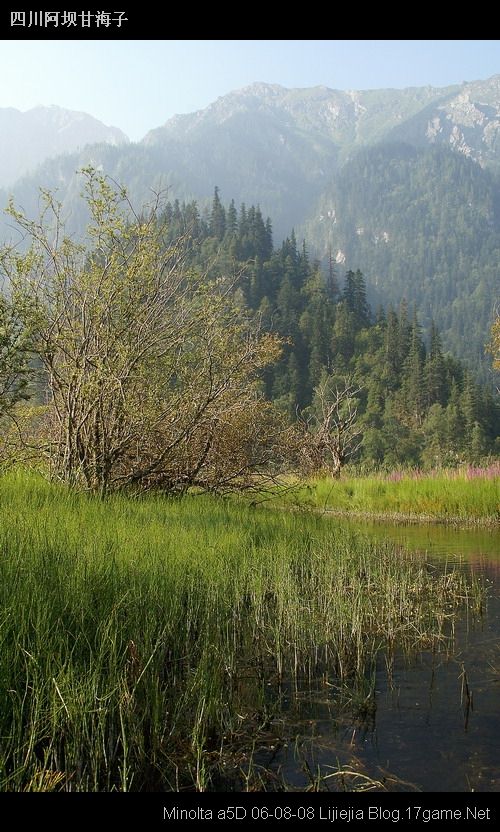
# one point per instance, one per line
(137, 84)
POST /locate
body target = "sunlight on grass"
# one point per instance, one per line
(471, 494)
(137, 636)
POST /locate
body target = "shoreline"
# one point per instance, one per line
(403, 519)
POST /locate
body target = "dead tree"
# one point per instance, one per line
(331, 433)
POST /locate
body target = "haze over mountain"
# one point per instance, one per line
(402, 184)
(268, 144)
(27, 139)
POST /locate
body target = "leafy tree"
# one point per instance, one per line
(14, 357)
(151, 370)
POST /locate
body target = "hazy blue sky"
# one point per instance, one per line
(138, 85)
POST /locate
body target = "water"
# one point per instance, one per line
(434, 724)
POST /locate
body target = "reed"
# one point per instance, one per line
(138, 636)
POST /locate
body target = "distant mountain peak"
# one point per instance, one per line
(261, 88)
(29, 138)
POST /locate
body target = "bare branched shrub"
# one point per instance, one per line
(331, 435)
(150, 370)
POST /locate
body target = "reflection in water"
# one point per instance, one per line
(433, 723)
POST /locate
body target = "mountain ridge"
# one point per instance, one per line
(292, 151)
(28, 138)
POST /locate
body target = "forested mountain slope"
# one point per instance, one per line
(416, 403)
(399, 183)
(424, 225)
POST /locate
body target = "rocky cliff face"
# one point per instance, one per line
(468, 121)
(341, 117)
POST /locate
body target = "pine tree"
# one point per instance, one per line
(435, 371)
(192, 223)
(362, 309)
(354, 297)
(435, 432)
(413, 390)
(392, 359)
(242, 221)
(343, 335)
(349, 293)
(269, 238)
(404, 331)
(217, 224)
(262, 241)
(415, 408)
(469, 405)
(455, 423)
(332, 285)
(231, 219)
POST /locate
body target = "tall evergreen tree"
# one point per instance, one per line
(217, 225)
(413, 389)
(392, 358)
(455, 423)
(354, 297)
(435, 370)
(332, 285)
(232, 219)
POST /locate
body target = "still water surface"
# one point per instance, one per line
(422, 732)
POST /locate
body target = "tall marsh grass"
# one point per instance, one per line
(469, 494)
(138, 636)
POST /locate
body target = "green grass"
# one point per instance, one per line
(445, 495)
(139, 637)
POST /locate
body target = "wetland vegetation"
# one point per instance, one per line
(140, 636)
(466, 496)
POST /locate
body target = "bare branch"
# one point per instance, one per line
(150, 369)
(330, 431)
